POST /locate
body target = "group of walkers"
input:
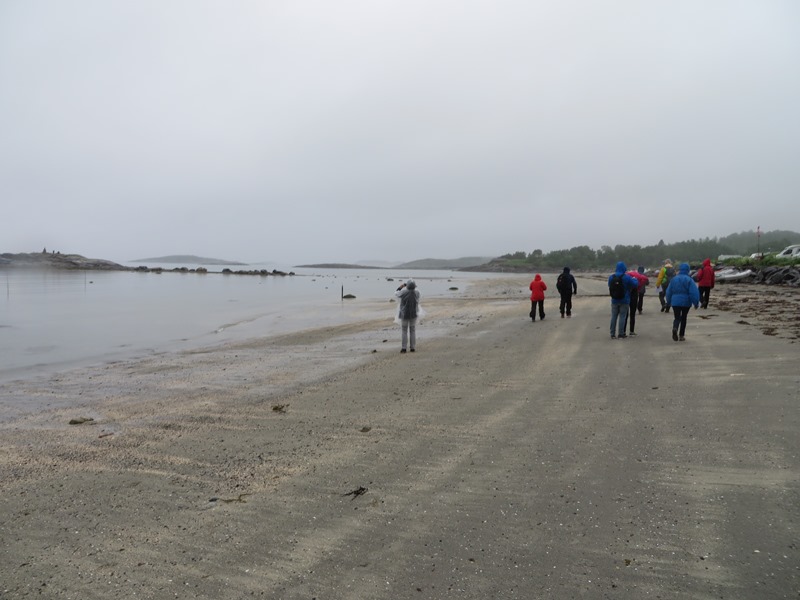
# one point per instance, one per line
(677, 291)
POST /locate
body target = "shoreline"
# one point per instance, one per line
(342, 345)
(775, 316)
(315, 352)
(56, 323)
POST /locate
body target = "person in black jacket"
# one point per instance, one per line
(566, 286)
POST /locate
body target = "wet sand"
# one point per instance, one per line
(504, 459)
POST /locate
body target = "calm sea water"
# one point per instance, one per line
(51, 320)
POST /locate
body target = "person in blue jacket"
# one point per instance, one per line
(620, 285)
(682, 294)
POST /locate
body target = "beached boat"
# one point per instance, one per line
(725, 275)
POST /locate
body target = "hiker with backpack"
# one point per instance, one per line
(408, 313)
(682, 294)
(665, 275)
(566, 286)
(705, 281)
(537, 287)
(620, 285)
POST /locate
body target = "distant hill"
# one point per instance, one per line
(383, 264)
(334, 266)
(443, 264)
(439, 264)
(187, 259)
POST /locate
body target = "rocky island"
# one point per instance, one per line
(56, 260)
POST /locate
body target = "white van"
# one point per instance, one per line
(789, 252)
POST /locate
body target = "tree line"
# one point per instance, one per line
(691, 251)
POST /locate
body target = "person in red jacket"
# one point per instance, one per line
(705, 281)
(636, 294)
(537, 288)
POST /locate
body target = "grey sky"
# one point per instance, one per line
(309, 131)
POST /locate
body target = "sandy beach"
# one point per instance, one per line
(503, 459)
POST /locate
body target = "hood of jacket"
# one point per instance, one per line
(621, 268)
(566, 269)
(537, 278)
(684, 269)
(707, 262)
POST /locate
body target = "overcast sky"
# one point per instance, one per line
(315, 131)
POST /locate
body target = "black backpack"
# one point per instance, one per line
(616, 287)
(408, 305)
(562, 283)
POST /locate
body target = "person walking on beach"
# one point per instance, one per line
(408, 313)
(642, 288)
(682, 294)
(537, 288)
(566, 286)
(705, 281)
(665, 275)
(641, 281)
(620, 285)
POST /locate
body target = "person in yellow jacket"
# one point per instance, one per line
(665, 275)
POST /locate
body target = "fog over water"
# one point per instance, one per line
(308, 131)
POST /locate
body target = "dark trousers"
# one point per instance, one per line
(705, 294)
(641, 302)
(679, 322)
(632, 312)
(566, 303)
(662, 296)
(534, 303)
